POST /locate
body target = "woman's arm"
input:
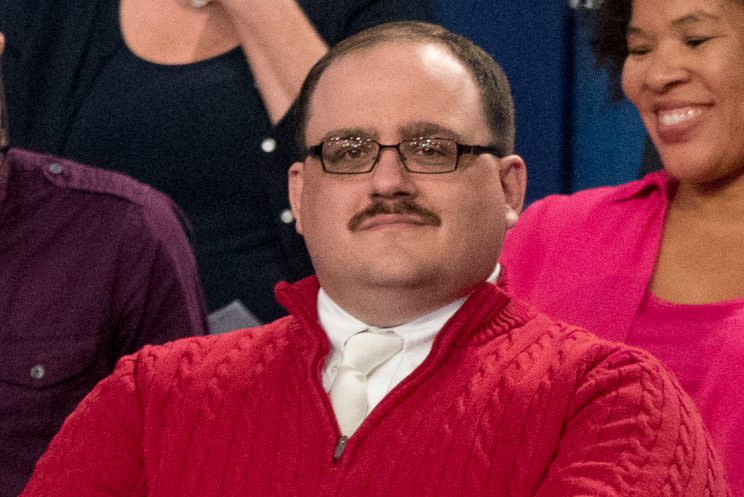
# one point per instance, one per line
(281, 46)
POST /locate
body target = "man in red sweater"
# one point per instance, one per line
(401, 369)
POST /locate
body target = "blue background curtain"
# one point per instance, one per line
(569, 133)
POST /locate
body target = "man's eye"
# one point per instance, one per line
(354, 151)
(427, 150)
(349, 151)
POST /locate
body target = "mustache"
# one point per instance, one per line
(402, 206)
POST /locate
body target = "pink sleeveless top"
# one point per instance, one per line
(702, 345)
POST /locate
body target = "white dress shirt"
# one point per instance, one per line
(418, 336)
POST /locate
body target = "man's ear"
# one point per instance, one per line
(296, 182)
(514, 184)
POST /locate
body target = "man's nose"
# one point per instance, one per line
(390, 176)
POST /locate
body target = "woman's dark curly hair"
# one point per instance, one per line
(609, 24)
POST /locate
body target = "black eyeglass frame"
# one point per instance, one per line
(317, 152)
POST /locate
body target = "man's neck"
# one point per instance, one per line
(389, 307)
(329, 312)
(386, 309)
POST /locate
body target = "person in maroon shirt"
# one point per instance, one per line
(93, 265)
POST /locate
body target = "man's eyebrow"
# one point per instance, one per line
(350, 133)
(406, 131)
(423, 128)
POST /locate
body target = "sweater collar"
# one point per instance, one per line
(418, 335)
(486, 313)
(339, 325)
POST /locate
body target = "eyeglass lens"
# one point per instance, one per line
(350, 155)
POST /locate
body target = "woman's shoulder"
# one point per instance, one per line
(586, 219)
(604, 201)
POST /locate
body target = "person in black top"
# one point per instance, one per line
(193, 99)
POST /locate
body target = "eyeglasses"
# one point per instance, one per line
(358, 155)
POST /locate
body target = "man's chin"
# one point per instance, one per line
(399, 277)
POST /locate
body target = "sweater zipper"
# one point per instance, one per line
(340, 447)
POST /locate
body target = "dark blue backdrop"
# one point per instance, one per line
(568, 132)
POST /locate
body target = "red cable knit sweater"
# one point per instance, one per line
(508, 403)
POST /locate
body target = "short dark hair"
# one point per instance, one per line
(489, 77)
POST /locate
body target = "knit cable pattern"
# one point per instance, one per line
(508, 403)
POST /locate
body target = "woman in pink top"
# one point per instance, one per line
(659, 262)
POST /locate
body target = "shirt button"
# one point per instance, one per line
(268, 145)
(286, 216)
(37, 372)
(55, 168)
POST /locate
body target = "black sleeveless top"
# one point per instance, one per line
(192, 131)
(199, 132)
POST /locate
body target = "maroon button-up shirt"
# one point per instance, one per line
(93, 265)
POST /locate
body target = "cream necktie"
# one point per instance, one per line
(363, 353)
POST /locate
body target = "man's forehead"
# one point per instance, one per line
(412, 88)
(394, 54)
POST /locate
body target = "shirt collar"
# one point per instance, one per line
(339, 325)
(654, 181)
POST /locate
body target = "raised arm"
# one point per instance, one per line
(281, 46)
(282, 43)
